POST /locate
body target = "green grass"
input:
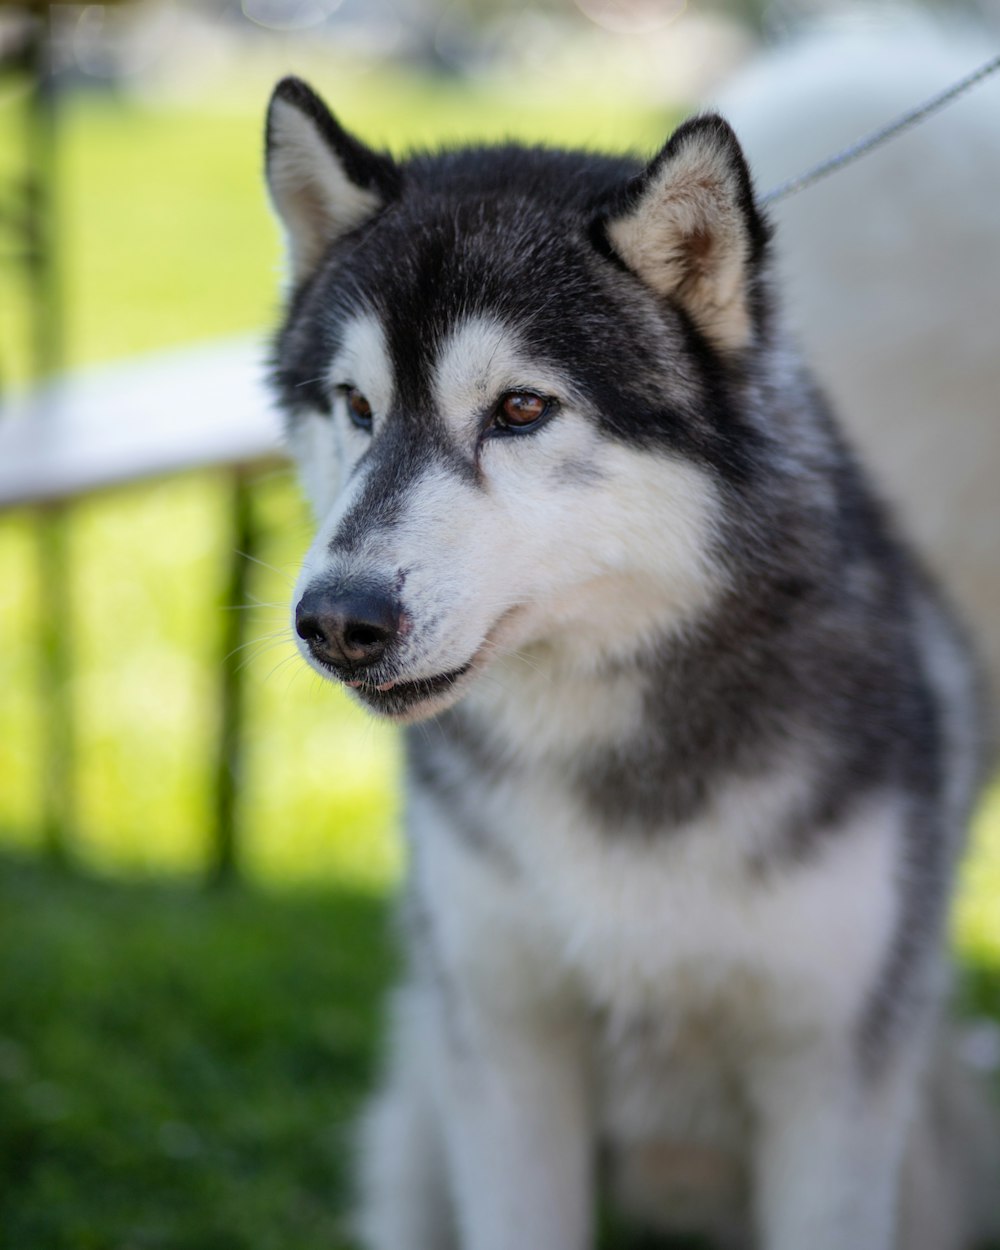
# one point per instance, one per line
(179, 1068)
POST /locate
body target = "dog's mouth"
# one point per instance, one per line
(407, 700)
(401, 699)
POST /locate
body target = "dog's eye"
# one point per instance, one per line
(521, 411)
(358, 408)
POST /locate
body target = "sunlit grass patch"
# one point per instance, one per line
(165, 233)
(20, 743)
(977, 916)
(145, 606)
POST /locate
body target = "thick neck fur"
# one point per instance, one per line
(801, 643)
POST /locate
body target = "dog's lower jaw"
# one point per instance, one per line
(407, 702)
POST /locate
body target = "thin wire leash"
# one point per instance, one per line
(878, 137)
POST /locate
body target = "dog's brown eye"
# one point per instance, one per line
(358, 407)
(521, 409)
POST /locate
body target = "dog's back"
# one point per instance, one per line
(891, 269)
(891, 272)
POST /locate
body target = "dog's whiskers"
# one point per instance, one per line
(271, 568)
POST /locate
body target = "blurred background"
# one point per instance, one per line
(197, 835)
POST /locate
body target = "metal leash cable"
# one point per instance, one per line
(883, 135)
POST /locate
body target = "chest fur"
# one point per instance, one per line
(534, 892)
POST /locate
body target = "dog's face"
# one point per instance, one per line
(500, 370)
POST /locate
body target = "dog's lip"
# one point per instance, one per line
(405, 701)
(418, 685)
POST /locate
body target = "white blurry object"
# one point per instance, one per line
(180, 409)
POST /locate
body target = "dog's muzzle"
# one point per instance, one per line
(348, 628)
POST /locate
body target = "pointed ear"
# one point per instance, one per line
(689, 229)
(322, 181)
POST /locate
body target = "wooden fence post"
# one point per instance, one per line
(55, 615)
(233, 669)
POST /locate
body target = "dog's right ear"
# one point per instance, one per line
(322, 181)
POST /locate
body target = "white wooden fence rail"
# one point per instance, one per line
(175, 412)
(184, 409)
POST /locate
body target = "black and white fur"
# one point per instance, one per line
(704, 743)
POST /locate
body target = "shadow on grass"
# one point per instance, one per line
(179, 1068)
(182, 1069)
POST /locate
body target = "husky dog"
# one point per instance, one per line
(705, 740)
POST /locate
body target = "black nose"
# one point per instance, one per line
(351, 628)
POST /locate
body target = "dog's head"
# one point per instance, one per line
(505, 374)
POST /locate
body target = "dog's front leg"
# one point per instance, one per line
(828, 1152)
(515, 1101)
(511, 1076)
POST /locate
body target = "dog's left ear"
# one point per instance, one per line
(689, 228)
(323, 181)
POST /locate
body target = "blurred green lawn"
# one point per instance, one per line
(176, 1067)
(179, 1070)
